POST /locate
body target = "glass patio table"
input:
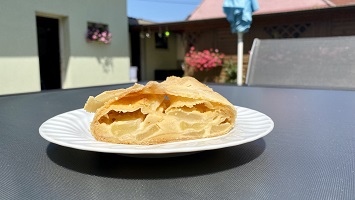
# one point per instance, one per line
(310, 153)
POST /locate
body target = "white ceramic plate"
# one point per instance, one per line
(71, 129)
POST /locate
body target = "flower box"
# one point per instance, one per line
(98, 33)
(205, 66)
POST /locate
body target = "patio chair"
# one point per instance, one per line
(326, 63)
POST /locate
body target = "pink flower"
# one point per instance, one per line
(99, 33)
(202, 60)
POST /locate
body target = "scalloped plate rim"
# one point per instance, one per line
(167, 148)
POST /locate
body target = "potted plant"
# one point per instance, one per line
(98, 33)
(231, 71)
(205, 66)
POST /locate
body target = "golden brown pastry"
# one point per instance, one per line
(174, 110)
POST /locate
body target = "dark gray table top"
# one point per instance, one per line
(310, 154)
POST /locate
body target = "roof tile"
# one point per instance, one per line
(210, 9)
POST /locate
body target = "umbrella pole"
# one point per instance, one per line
(240, 59)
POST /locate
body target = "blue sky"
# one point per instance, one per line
(161, 10)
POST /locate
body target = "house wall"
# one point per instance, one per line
(216, 33)
(82, 64)
(316, 23)
(155, 58)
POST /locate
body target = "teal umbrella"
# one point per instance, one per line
(239, 15)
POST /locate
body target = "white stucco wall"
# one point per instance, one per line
(83, 64)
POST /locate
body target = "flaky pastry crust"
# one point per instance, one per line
(176, 109)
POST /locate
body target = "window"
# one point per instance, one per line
(98, 32)
(161, 41)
